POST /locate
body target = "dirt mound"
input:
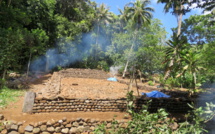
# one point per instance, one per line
(84, 73)
(92, 88)
(83, 83)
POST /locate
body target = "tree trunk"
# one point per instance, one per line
(169, 69)
(125, 69)
(179, 20)
(167, 73)
(129, 55)
(130, 83)
(29, 63)
(140, 75)
(179, 24)
(4, 73)
(194, 80)
(131, 80)
(138, 93)
(9, 2)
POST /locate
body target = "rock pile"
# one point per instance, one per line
(64, 126)
(52, 89)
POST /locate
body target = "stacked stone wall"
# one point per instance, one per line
(173, 105)
(76, 105)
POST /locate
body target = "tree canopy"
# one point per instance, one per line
(47, 35)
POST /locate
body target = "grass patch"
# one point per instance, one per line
(9, 95)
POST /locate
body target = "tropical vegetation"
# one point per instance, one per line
(47, 35)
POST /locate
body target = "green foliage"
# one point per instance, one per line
(130, 101)
(150, 50)
(207, 61)
(172, 82)
(143, 122)
(139, 13)
(182, 61)
(29, 28)
(151, 83)
(196, 125)
(190, 64)
(2, 83)
(9, 95)
(198, 29)
(119, 49)
(59, 68)
(200, 33)
(177, 8)
(159, 123)
(174, 7)
(103, 65)
(149, 122)
(11, 41)
(147, 53)
(101, 129)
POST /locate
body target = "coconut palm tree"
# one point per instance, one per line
(178, 9)
(209, 6)
(123, 18)
(139, 14)
(102, 17)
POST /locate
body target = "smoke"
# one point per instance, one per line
(53, 58)
(209, 97)
(114, 70)
(68, 52)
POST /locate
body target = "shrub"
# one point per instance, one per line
(160, 123)
(2, 83)
(151, 83)
(103, 65)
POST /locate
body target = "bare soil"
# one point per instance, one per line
(85, 83)
(74, 83)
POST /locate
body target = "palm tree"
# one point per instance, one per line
(190, 65)
(173, 52)
(178, 10)
(123, 18)
(102, 16)
(207, 5)
(138, 14)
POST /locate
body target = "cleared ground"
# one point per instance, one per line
(74, 83)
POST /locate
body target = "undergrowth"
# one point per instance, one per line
(144, 122)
